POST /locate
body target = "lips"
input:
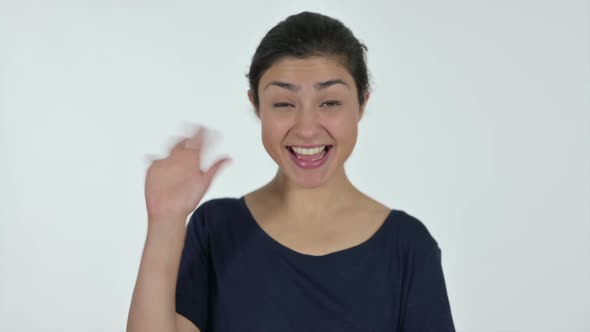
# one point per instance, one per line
(310, 156)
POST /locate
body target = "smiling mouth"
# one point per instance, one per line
(309, 153)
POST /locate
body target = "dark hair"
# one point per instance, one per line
(311, 34)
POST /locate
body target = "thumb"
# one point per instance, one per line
(214, 169)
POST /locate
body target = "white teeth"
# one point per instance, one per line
(305, 151)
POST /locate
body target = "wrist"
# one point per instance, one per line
(166, 227)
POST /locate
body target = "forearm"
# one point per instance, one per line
(153, 305)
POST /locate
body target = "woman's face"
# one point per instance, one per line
(309, 113)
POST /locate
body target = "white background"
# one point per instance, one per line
(479, 125)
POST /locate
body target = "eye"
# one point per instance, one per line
(282, 105)
(331, 103)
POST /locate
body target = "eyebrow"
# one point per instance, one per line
(318, 86)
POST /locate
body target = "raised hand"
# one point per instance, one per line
(175, 185)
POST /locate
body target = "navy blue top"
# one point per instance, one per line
(235, 277)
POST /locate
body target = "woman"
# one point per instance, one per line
(307, 251)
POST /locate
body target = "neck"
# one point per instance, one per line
(312, 202)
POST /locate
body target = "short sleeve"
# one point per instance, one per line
(192, 286)
(427, 307)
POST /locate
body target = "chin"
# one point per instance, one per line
(307, 182)
(305, 178)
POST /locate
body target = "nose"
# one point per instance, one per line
(307, 123)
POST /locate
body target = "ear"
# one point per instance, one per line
(251, 97)
(362, 108)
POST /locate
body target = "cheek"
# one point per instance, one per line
(273, 133)
(345, 129)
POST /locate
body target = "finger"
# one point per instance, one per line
(212, 138)
(214, 169)
(150, 158)
(196, 141)
(178, 144)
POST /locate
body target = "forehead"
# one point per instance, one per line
(307, 71)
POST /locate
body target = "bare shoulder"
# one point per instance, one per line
(185, 325)
(371, 208)
(261, 201)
